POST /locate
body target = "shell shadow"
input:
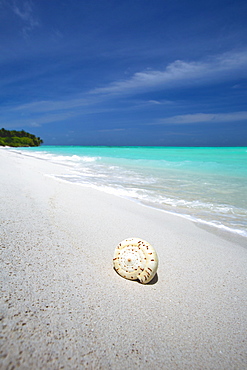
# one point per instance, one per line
(152, 282)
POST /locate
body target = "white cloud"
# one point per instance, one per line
(181, 73)
(45, 111)
(49, 106)
(112, 130)
(25, 12)
(156, 102)
(37, 121)
(205, 117)
(159, 102)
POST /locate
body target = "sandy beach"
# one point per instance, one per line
(64, 307)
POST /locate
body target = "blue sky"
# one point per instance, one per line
(121, 72)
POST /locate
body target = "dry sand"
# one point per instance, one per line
(63, 305)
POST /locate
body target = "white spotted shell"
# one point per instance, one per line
(134, 259)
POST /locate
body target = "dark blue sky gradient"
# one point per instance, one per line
(136, 72)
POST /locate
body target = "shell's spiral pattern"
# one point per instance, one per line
(134, 259)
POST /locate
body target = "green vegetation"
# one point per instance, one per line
(18, 138)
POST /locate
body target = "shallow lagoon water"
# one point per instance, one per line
(208, 185)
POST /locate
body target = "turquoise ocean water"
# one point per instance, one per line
(208, 185)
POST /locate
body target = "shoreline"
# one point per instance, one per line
(64, 305)
(215, 227)
(224, 232)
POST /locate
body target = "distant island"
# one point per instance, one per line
(18, 138)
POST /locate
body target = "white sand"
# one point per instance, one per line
(63, 305)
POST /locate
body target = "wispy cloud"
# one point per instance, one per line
(159, 102)
(204, 117)
(49, 106)
(36, 121)
(181, 73)
(24, 11)
(112, 130)
(47, 111)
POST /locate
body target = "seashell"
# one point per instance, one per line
(134, 259)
